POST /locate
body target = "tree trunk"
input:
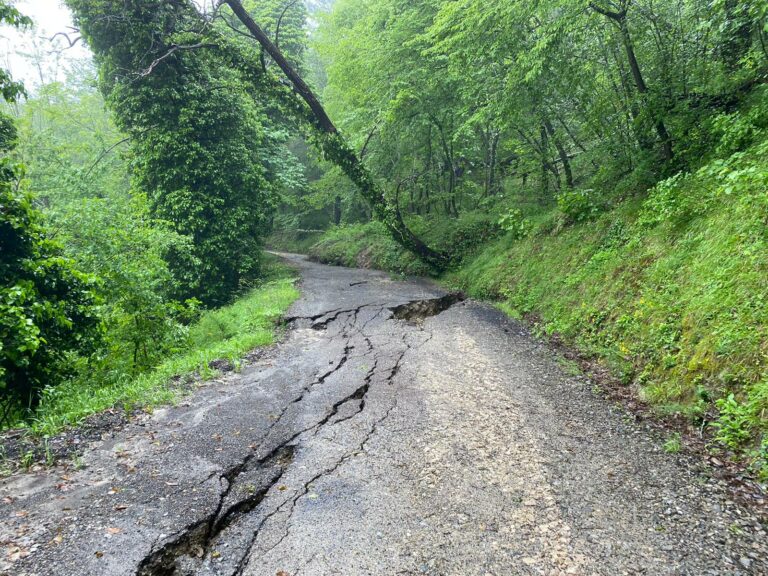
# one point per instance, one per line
(338, 150)
(642, 88)
(738, 33)
(544, 163)
(561, 152)
(337, 210)
(492, 152)
(620, 19)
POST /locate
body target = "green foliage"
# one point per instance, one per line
(198, 138)
(578, 205)
(515, 224)
(10, 90)
(366, 246)
(294, 241)
(674, 444)
(46, 304)
(225, 334)
(461, 237)
(76, 171)
(286, 22)
(668, 290)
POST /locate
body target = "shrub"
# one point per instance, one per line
(578, 205)
(46, 304)
(466, 234)
(515, 224)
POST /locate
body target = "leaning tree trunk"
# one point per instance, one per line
(338, 150)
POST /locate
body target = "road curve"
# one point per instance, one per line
(396, 430)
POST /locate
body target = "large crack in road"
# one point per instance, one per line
(397, 430)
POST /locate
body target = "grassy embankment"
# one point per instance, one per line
(668, 288)
(224, 334)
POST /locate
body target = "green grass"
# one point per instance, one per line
(674, 444)
(227, 333)
(366, 246)
(371, 245)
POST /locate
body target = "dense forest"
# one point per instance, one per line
(599, 169)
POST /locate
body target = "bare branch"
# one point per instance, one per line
(371, 134)
(70, 41)
(617, 16)
(104, 155)
(171, 51)
(280, 21)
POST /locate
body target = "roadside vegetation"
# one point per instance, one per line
(218, 340)
(667, 288)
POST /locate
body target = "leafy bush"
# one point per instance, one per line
(514, 223)
(462, 236)
(578, 205)
(225, 334)
(367, 246)
(46, 305)
(114, 239)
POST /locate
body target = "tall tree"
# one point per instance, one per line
(198, 138)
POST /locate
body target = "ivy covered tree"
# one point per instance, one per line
(47, 307)
(199, 140)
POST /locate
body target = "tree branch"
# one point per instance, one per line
(171, 51)
(70, 41)
(104, 155)
(617, 16)
(280, 21)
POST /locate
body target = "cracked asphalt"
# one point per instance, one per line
(396, 430)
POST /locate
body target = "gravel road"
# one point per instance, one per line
(396, 430)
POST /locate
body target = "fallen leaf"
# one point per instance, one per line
(283, 488)
(215, 554)
(99, 554)
(114, 530)
(121, 507)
